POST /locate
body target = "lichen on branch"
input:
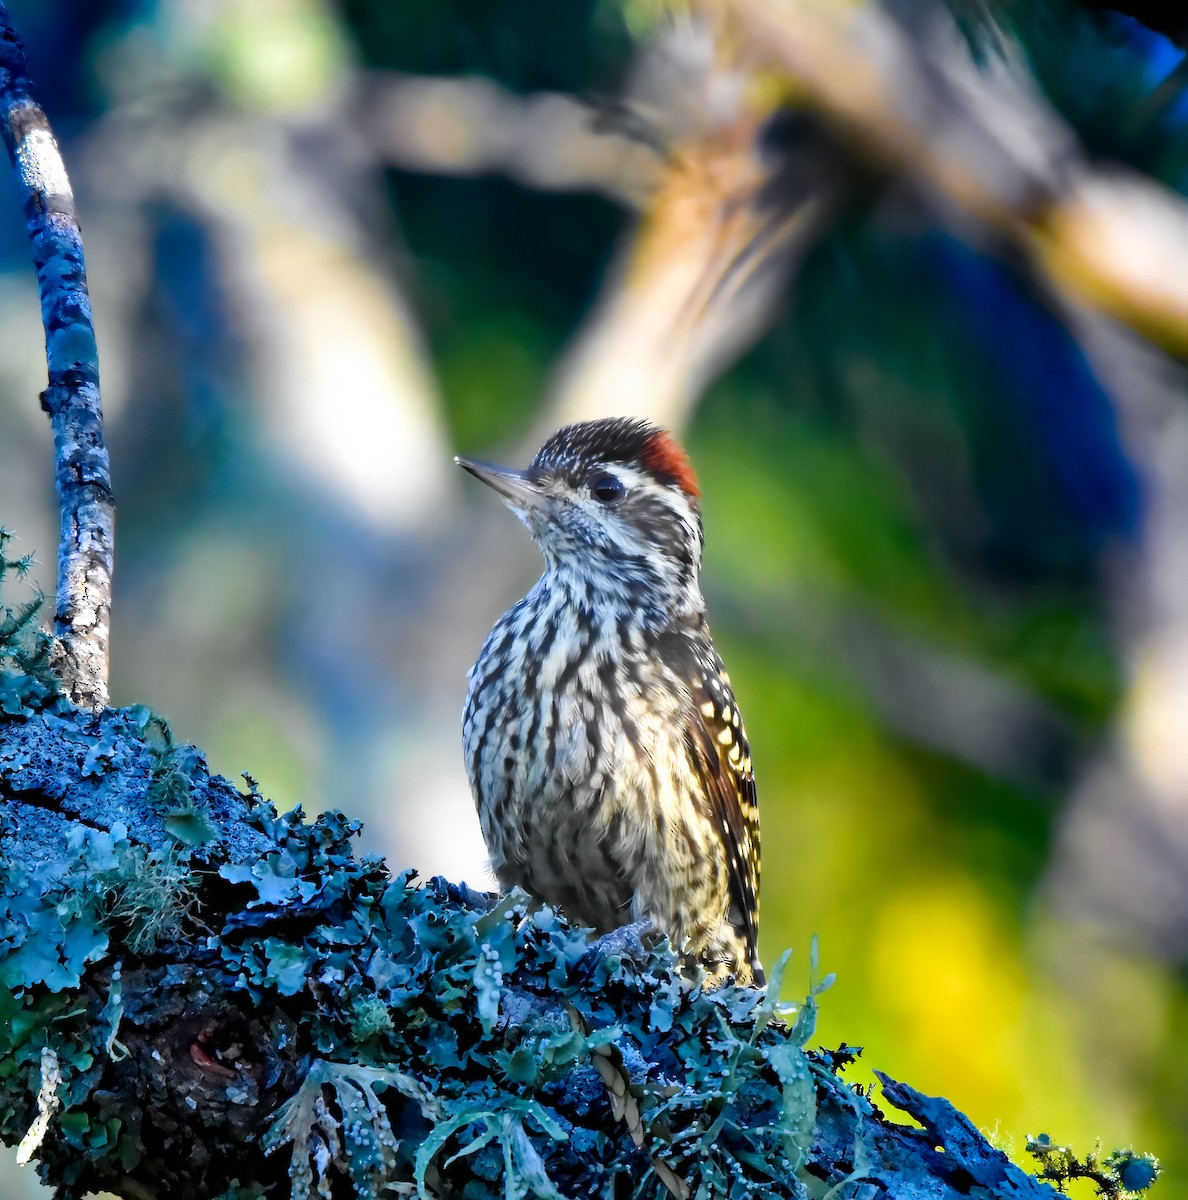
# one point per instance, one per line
(87, 541)
(361, 1027)
(233, 1003)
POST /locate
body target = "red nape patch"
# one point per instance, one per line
(663, 456)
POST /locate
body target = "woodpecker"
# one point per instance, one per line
(605, 749)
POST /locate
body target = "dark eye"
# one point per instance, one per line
(607, 489)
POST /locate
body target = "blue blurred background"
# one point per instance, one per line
(946, 515)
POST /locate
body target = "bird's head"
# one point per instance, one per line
(611, 502)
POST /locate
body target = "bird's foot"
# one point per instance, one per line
(628, 941)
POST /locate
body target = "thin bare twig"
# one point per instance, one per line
(86, 547)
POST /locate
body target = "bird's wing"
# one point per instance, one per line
(721, 755)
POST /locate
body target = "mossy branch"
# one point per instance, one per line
(202, 998)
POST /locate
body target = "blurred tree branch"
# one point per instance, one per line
(726, 202)
(981, 139)
(473, 126)
(722, 211)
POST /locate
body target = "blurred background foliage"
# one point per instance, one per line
(329, 246)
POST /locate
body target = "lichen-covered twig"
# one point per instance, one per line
(86, 547)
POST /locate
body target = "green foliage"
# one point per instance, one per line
(174, 767)
(26, 680)
(1118, 1174)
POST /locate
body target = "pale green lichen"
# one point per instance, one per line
(337, 1119)
(152, 897)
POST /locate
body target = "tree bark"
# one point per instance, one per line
(203, 997)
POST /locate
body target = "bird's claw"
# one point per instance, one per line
(629, 941)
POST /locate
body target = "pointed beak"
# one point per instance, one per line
(514, 486)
